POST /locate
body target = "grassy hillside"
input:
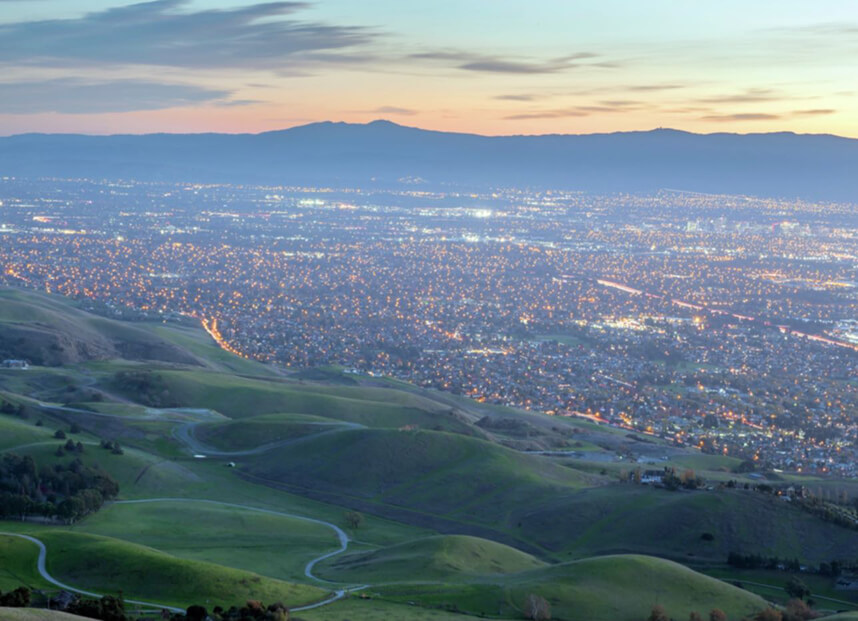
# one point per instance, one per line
(271, 545)
(611, 588)
(32, 614)
(48, 330)
(242, 397)
(107, 565)
(18, 566)
(249, 433)
(629, 518)
(434, 473)
(440, 558)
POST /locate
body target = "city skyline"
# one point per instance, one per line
(103, 66)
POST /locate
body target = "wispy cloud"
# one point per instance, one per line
(164, 33)
(78, 96)
(547, 114)
(394, 110)
(749, 96)
(522, 97)
(742, 116)
(655, 87)
(467, 61)
(814, 112)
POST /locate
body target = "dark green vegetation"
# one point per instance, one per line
(66, 491)
(220, 462)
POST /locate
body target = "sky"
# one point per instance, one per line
(479, 66)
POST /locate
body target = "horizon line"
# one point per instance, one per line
(380, 121)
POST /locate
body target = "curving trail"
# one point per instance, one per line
(308, 569)
(342, 537)
(43, 552)
(184, 433)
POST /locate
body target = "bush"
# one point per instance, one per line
(19, 598)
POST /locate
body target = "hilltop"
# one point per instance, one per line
(382, 153)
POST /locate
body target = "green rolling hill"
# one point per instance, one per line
(247, 474)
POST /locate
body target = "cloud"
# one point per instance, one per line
(547, 114)
(745, 116)
(77, 96)
(467, 61)
(815, 112)
(516, 97)
(160, 33)
(394, 110)
(749, 96)
(655, 87)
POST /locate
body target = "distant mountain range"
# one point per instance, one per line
(385, 154)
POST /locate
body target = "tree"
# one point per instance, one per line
(537, 608)
(196, 613)
(658, 613)
(19, 598)
(353, 518)
(59, 434)
(798, 610)
(769, 614)
(716, 614)
(695, 616)
(796, 588)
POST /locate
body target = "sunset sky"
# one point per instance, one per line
(484, 66)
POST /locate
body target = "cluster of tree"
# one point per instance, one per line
(19, 598)
(70, 446)
(839, 514)
(686, 479)
(658, 613)
(757, 561)
(253, 610)
(795, 610)
(66, 491)
(108, 608)
(112, 446)
(148, 388)
(20, 410)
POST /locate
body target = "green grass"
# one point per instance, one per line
(241, 397)
(249, 433)
(639, 519)
(33, 614)
(107, 565)
(15, 432)
(139, 474)
(271, 545)
(441, 558)
(821, 586)
(611, 588)
(459, 478)
(18, 566)
(357, 609)
(51, 330)
(196, 341)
